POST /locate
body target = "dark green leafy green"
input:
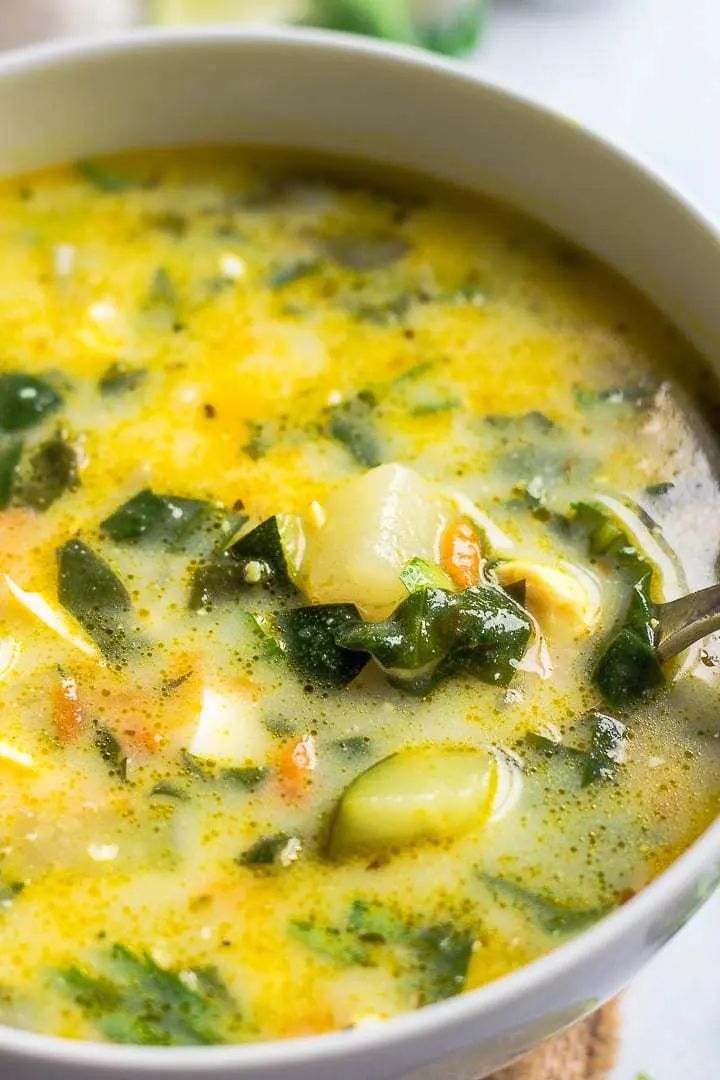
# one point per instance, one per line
(25, 400)
(552, 917)
(328, 942)
(364, 252)
(292, 272)
(354, 746)
(435, 633)
(612, 395)
(163, 301)
(442, 953)
(628, 667)
(119, 379)
(310, 637)
(265, 851)
(10, 454)
(353, 424)
(8, 892)
(92, 592)
(131, 999)
(272, 546)
(111, 751)
(52, 470)
(598, 759)
(153, 519)
(249, 777)
(165, 789)
(106, 179)
(216, 582)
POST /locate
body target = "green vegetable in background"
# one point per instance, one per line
(53, 470)
(599, 759)
(552, 917)
(10, 454)
(131, 999)
(353, 425)
(148, 518)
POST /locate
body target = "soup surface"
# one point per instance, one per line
(331, 521)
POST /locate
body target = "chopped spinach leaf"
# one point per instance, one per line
(25, 400)
(169, 791)
(163, 301)
(375, 922)
(119, 379)
(432, 408)
(612, 395)
(265, 631)
(660, 489)
(366, 253)
(353, 425)
(328, 942)
(93, 593)
(554, 918)
(354, 746)
(249, 777)
(265, 851)
(382, 312)
(10, 454)
(443, 954)
(292, 272)
(273, 547)
(153, 519)
(599, 759)
(111, 751)
(134, 1000)
(52, 470)
(216, 582)
(106, 179)
(434, 634)
(310, 638)
(8, 893)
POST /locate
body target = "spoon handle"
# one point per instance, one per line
(683, 622)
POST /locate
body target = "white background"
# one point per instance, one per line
(646, 73)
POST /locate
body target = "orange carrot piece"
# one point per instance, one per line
(294, 767)
(68, 716)
(461, 554)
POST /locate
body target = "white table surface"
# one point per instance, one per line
(645, 73)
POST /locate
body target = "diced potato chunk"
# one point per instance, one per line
(374, 525)
(415, 795)
(564, 599)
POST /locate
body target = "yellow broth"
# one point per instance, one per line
(260, 332)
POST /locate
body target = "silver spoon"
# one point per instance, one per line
(680, 623)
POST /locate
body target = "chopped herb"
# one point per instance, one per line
(328, 942)
(613, 395)
(354, 746)
(249, 777)
(52, 470)
(310, 640)
(134, 1000)
(93, 593)
(10, 454)
(552, 917)
(111, 751)
(265, 851)
(292, 272)
(353, 425)
(25, 400)
(163, 301)
(434, 634)
(660, 489)
(153, 519)
(169, 791)
(9, 892)
(106, 179)
(366, 253)
(119, 379)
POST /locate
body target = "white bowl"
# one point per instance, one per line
(395, 105)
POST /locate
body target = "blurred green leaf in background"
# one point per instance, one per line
(451, 27)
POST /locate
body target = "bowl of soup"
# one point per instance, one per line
(353, 417)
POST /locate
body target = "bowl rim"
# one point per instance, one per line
(703, 855)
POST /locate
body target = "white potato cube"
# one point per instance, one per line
(373, 525)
